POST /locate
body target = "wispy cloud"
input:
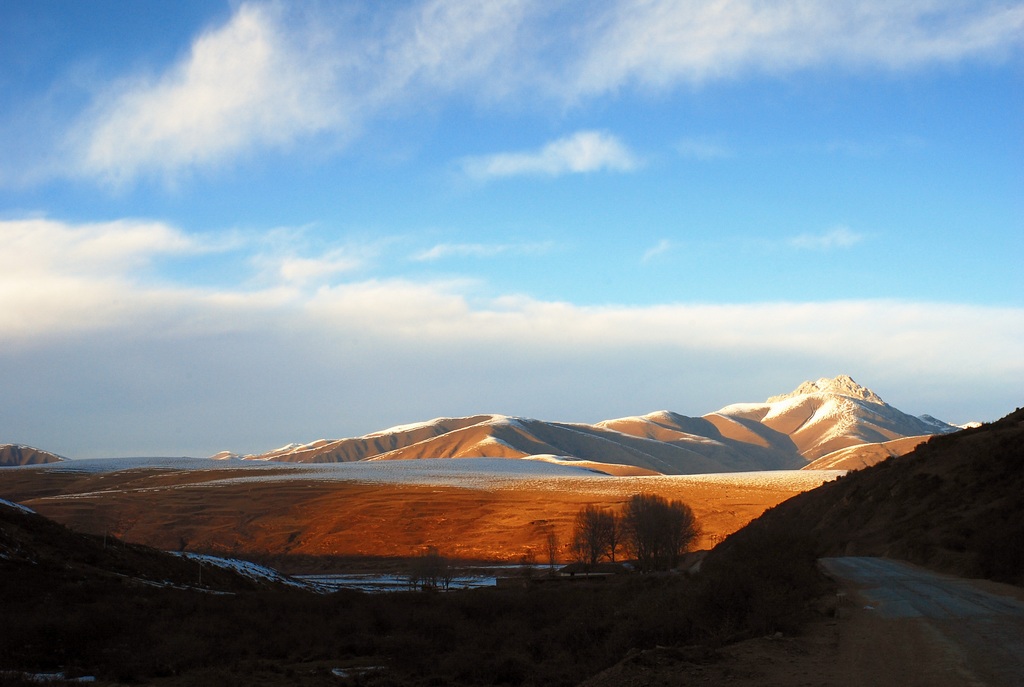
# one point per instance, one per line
(872, 148)
(302, 270)
(582, 152)
(252, 83)
(481, 250)
(275, 76)
(660, 248)
(96, 248)
(703, 149)
(662, 43)
(835, 238)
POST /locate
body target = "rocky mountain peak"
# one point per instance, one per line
(843, 385)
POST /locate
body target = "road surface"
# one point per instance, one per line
(925, 628)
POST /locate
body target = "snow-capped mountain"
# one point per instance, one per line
(16, 454)
(832, 414)
(793, 430)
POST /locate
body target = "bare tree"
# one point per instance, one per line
(613, 533)
(551, 540)
(430, 571)
(656, 531)
(527, 563)
(594, 535)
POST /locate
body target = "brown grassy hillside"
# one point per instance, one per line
(205, 510)
(954, 504)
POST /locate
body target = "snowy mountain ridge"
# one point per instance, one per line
(788, 431)
(842, 385)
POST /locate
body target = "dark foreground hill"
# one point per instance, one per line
(954, 505)
(37, 554)
(130, 615)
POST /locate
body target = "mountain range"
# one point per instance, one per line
(825, 424)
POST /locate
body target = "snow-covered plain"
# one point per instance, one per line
(384, 582)
(540, 473)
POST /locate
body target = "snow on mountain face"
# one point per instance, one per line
(832, 414)
(17, 454)
(785, 432)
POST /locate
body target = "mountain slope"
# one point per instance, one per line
(785, 432)
(831, 414)
(864, 455)
(16, 454)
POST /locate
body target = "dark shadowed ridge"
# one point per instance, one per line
(37, 553)
(953, 504)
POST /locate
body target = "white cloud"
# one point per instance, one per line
(449, 45)
(835, 238)
(61, 277)
(276, 75)
(302, 270)
(480, 250)
(248, 84)
(662, 43)
(99, 354)
(582, 152)
(660, 248)
(41, 244)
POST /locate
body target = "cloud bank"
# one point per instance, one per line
(96, 349)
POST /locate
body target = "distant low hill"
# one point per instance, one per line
(831, 423)
(16, 454)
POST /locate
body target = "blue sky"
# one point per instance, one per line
(237, 225)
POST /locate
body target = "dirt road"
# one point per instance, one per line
(896, 625)
(923, 628)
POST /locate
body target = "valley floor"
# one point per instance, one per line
(379, 510)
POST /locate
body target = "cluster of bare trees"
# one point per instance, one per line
(651, 529)
(431, 571)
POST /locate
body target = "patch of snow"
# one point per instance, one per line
(101, 465)
(244, 568)
(495, 441)
(505, 473)
(52, 677)
(225, 455)
(940, 426)
(287, 448)
(16, 506)
(413, 426)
